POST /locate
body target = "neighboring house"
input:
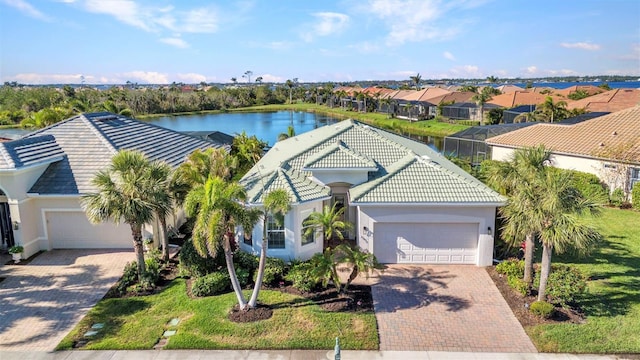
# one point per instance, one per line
(43, 175)
(408, 204)
(217, 137)
(607, 146)
(609, 101)
(466, 111)
(526, 97)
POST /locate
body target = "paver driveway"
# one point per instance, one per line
(444, 308)
(42, 301)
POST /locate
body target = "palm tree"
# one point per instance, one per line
(259, 80)
(218, 208)
(248, 150)
(160, 176)
(248, 74)
(361, 261)
(561, 228)
(480, 99)
(113, 107)
(416, 80)
(290, 84)
(126, 192)
(492, 79)
(515, 178)
(552, 110)
(291, 132)
(276, 205)
(201, 164)
(329, 221)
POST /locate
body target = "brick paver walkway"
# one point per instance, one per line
(42, 301)
(445, 308)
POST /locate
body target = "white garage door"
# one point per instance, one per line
(426, 243)
(72, 230)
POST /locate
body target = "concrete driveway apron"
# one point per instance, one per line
(42, 301)
(444, 308)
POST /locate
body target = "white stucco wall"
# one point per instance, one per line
(353, 177)
(293, 233)
(484, 216)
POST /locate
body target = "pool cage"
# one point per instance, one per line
(470, 144)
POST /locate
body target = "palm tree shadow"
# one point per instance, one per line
(414, 287)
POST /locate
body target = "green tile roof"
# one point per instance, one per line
(418, 180)
(339, 156)
(300, 188)
(408, 171)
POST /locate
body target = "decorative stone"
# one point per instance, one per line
(169, 333)
(174, 322)
(97, 326)
(91, 333)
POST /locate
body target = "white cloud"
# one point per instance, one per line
(581, 45)
(175, 41)
(419, 20)
(27, 9)
(466, 71)
(327, 23)
(191, 78)
(531, 70)
(633, 55)
(150, 77)
(43, 79)
(126, 11)
(449, 56)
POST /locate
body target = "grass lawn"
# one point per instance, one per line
(297, 323)
(612, 305)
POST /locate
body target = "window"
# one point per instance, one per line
(275, 233)
(307, 238)
(635, 176)
(247, 239)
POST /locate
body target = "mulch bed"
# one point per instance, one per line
(520, 305)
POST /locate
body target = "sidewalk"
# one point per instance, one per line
(289, 355)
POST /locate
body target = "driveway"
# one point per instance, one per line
(42, 301)
(444, 308)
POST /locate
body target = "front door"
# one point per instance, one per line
(340, 202)
(6, 229)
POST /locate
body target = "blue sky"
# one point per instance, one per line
(161, 41)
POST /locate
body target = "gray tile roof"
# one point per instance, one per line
(88, 142)
(408, 171)
(25, 152)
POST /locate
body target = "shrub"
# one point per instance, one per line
(542, 308)
(243, 276)
(193, 264)
(590, 186)
(511, 267)
(300, 276)
(635, 196)
(273, 271)
(518, 285)
(564, 285)
(245, 260)
(129, 277)
(617, 197)
(152, 273)
(211, 284)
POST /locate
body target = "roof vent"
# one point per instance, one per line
(601, 144)
(614, 133)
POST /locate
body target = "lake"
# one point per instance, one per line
(264, 125)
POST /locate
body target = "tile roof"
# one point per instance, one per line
(298, 186)
(516, 98)
(589, 89)
(421, 180)
(608, 101)
(84, 144)
(456, 97)
(592, 138)
(509, 88)
(388, 151)
(339, 156)
(25, 152)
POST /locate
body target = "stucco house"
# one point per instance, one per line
(408, 203)
(607, 146)
(43, 175)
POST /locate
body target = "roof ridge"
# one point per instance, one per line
(392, 170)
(97, 131)
(5, 155)
(323, 140)
(477, 183)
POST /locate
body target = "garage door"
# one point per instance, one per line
(426, 243)
(72, 230)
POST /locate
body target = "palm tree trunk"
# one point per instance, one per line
(263, 260)
(136, 232)
(235, 284)
(547, 250)
(165, 238)
(528, 261)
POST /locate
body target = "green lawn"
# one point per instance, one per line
(612, 304)
(297, 323)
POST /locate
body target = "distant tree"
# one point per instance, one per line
(494, 116)
(481, 99)
(492, 79)
(416, 80)
(578, 94)
(259, 79)
(469, 88)
(248, 74)
(234, 80)
(290, 84)
(605, 86)
(529, 84)
(552, 111)
(291, 132)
